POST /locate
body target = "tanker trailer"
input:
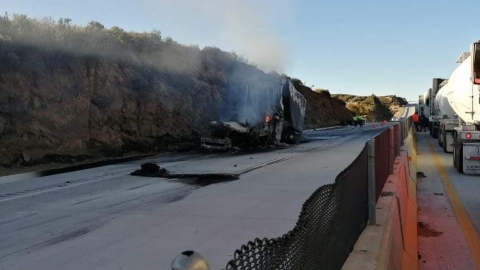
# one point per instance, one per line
(434, 119)
(463, 97)
(447, 118)
(424, 103)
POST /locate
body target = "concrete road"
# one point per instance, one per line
(103, 218)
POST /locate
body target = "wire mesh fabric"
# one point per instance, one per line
(330, 223)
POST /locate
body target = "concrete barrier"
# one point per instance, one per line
(392, 244)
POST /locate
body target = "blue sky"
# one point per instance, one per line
(348, 46)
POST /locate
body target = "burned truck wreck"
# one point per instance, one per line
(278, 118)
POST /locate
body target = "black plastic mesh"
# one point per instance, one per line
(330, 223)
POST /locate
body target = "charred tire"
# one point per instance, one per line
(288, 136)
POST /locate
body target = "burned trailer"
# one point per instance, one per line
(281, 111)
(294, 104)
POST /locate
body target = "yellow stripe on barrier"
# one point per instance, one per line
(471, 237)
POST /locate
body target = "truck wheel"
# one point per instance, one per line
(435, 132)
(288, 136)
(458, 158)
(455, 157)
(439, 140)
(444, 141)
(455, 151)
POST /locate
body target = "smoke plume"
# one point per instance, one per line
(251, 28)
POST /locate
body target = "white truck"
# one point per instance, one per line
(457, 106)
(446, 117)
(434, 118)
(424, 103)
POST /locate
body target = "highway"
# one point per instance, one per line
(104, 218)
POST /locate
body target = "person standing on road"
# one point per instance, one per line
(415, 121)
(423, 122)
(361, 122)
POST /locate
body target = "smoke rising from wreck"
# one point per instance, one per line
(246, 28)
(251, 28)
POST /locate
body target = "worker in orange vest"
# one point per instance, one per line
(415, 120)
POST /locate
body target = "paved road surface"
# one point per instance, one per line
(444, 244)
(103, 218)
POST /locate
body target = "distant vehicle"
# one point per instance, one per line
(454, 108)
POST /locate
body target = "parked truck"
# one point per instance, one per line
(434, 118)
(445, 117)
(457, 110)
(424, 103)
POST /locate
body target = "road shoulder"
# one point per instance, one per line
(442, 244)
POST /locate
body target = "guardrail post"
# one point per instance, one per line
(372, 219)
(391, 150)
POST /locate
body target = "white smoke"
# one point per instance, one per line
(251, 28)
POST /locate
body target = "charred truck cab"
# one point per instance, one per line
(281, 121)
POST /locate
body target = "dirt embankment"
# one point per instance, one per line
(322, 110)
(70, 93)
(104, 107)
(375, 108)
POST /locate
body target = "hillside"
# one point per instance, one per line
(69, 92)
(322, 110)
(376, 108)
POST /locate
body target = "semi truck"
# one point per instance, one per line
(424, 103)
(456, 109)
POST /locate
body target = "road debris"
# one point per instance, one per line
(150, 170)
(421, 175)
(425, 230)
(198, 179)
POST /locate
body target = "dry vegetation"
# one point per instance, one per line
(376, 108)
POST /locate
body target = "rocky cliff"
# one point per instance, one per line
(76, 92)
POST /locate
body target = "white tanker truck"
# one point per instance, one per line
(456, 109)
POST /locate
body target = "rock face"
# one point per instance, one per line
(84, 108)
(322, 110)
(375, 108)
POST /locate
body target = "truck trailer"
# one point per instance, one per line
(456, 108)
(433, 118)
(446, 118)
